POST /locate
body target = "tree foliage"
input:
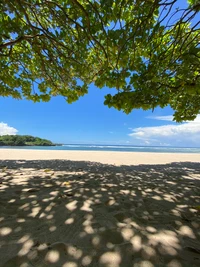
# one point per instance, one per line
(148, 50)
(23, 140)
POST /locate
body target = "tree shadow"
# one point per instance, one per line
(75, 213)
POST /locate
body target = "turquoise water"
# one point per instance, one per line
(120, 148)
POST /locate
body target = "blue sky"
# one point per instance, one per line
(89, 121)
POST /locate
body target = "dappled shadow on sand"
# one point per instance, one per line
(90, 214)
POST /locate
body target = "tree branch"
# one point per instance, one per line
(21, 38)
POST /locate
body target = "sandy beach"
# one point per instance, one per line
(99, 209)
(105, 157)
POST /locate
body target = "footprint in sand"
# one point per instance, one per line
(121, 216)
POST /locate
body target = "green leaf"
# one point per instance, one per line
(50, 48)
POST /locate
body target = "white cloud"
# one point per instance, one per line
(6, 129)
(161, 118)
(185, 134)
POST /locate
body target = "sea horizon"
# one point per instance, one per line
(111, 147)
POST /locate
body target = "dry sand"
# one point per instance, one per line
(105, 157)
(100, 209)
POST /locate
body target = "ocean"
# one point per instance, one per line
(119, 148)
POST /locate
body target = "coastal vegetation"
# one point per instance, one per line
(147, 50)
(23, 140)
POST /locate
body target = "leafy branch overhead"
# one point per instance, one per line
(148, 50)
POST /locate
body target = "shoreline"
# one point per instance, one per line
(105, 157)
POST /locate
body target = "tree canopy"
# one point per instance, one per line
(148, 50)
(23, 140)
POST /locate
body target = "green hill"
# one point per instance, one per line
(23, 140)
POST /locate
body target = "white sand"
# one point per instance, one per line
(118, 158)
(99, 209)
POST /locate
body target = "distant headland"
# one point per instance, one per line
(24, 140)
